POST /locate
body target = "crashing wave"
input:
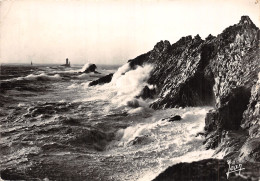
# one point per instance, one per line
(129, 83)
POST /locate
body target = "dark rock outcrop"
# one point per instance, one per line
(133, 103)
(102, 80)
(219, 71)
(141, 140)
(91, 68)
(251, 117)
(147, 93)
(250, 151)
(235, 69)
(195, 72)
(180, 72)
(175, 118)
(209, 169)
(172, 118)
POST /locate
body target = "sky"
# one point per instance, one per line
(108, 31)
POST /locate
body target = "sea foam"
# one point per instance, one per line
(129, 83)
(41, 76)
(84, 67)
(166, 143)
(125, 86)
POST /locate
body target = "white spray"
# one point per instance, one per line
(129, 84)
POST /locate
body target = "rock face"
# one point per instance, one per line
(251, 117)
(209, 169)
(102, 80)
(175, 118)
(91, 68)
(219, 71)
(194, 72)
(147, 93)
(179, 73)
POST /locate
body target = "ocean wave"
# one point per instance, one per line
(154, 135)
(39, 77)
(122, 91)
(28, 83)
(73, 86)
(83, 76)
(129, 83)
(84, 67)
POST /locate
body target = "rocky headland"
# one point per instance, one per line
(222, 72)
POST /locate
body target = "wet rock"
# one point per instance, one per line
(196, 72)
(208, 169)
(172, 118)
(91, 68)
(147, 93)
(200, 134)
(251, 117)
(141, 140)
(102, 80)
(175, 118)
(230, 143)
(250, 151)
(133, 103)
(229, 115)
(212, 139)
(211, 121)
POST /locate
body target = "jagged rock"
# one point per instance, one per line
(230, 143)
(147, 93)
(212, 139)
(251, 117)
(175, 118)
(250, 151)
(196, 72)
(141, 140)
(210, 37)
(178, 72)
(210, 121)
(102, 80)
(91, 68)
(172, 118)
(245, 20)
(232, 107)
(217, 71)
(133, 103)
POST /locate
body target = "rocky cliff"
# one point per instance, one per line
(220, 71)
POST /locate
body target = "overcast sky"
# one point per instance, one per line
(108, 32)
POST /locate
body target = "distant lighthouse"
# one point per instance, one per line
(67, 63)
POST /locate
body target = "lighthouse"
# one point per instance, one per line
(67, 63)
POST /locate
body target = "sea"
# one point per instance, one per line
(54, 126)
